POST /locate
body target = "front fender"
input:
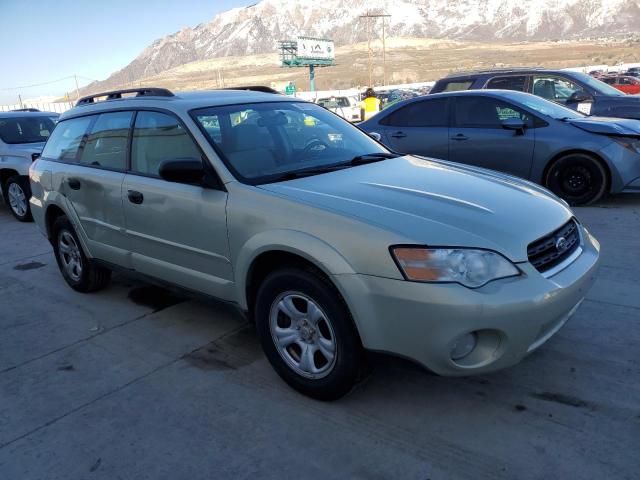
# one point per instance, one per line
(311, 248)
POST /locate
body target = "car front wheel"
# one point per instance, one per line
(17, 193)
(577, 178)
(307, 333)
(79, 273)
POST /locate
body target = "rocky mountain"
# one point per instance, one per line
(257, 28)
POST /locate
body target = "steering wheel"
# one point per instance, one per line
(314, 147)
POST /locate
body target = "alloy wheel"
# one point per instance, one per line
(70, 255)
(17, 199)
(303, 335)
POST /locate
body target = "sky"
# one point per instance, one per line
(46, 40)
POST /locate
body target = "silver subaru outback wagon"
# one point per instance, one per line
(332, 243)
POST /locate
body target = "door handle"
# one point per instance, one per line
(460, 137)
(74, 183)
(399, 135)
(135, 197)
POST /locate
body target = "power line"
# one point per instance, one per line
(47, 83)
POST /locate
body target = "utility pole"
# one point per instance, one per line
(384, 52)
(75, 77)
(371, 17)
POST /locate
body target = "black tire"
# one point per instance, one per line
(348, 359)
(22, 184)
(578, 178)
(91, 278)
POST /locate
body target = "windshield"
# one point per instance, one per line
(264, 142)
(545, 107)
(599, 86)
(32, 129)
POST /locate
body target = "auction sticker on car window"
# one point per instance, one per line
(585, 108)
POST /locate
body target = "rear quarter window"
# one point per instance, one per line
(456, 85)
(65, 141)
(426, 113)
(19, 130)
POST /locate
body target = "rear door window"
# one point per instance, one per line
(158, 137)
(512, 82)
(427, 113)
(106, 144)
(66, 139)
(485, 112)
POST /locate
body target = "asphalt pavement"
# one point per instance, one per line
(136, 382)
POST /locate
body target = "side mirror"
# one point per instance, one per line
(183, 170)
(514, 124)
(35, 156)
(579, 97)
(376, 136)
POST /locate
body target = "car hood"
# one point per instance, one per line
(438, 203)
(607, 126)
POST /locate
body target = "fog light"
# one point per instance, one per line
(463, 346)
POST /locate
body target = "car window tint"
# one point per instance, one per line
(66, 139)
(31, 129)
(430, 113)
(106, 144)
(514, 82)
(485, 112)
(457, 86)
(557, 89)
(261, 142)
(158, 137)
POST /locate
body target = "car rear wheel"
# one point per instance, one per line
(79, 273)
(577, 178)
(307, 333)
(16, 194)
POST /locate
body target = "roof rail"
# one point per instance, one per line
(115, 94)
(25, 110)
(462, 73)
(254, 88)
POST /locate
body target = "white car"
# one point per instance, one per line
(347, 107)
(22, 133)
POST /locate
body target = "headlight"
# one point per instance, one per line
(472, 268)
(629, 143)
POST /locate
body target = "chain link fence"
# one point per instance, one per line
(57, 107)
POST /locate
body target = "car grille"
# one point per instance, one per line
(549, 251)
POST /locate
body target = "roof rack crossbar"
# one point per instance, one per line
(254, 88)
(115, 94)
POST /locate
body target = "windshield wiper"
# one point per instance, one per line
(359, 160)
(373, 157)
(307, 172)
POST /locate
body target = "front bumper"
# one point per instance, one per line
(512, 317)
(632, 187)
(624, 166)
